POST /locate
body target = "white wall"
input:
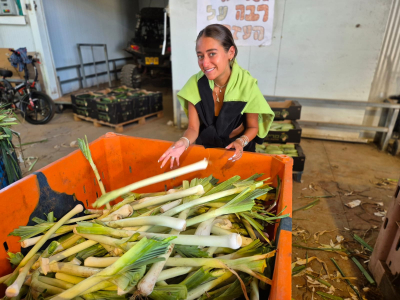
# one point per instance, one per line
(9, 32)
(387, 75)
(34, 37)
(317, 51)
(91, 21)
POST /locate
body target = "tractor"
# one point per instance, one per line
(150, 48)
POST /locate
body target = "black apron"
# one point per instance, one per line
(214, 131)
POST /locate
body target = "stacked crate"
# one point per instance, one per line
(385, 259)
(285, 134)
(117, 106)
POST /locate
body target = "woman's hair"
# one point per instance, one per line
(221, 34)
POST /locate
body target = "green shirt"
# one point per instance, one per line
(241, 87)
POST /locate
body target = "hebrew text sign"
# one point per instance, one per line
(251, 21)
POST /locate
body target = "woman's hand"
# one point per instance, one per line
(237, 145)
(173, 152)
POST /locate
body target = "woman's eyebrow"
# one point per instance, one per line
(199, 52)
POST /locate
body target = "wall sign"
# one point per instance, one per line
(251, 21)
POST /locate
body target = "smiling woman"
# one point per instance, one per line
(223, 102)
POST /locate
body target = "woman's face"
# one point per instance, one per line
(212, 58)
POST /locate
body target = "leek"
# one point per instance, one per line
(254, 292)
(253, 265)
(174, 272)
(206, 199)
(138, 255)
(197, 292)
(219, 231)
(146, 202)
(201, 276)
(70, 269)
(151, 220)
(44, 262)
(201, 165)
(77, 209)
(242, 202)
(170, 205)
(110, 241)
(84, 146)
(87, 230)
(105, 285)
(14, 289)
(123, 212)
(170, 292)
(146, 285)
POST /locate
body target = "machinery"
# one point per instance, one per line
(150, 48)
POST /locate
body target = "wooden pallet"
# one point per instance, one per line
(118, 127)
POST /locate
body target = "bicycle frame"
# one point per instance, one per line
(23, 85)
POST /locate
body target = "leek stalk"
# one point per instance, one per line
(77, 209)
(44, 262)
(70, 269)
(170, 205)
(232, 240)
(146, 285)
(84, 146)
(146, 202)
(197, 292)
(14, 289)
(254, 292)
(151, 220)
(134, 254)
(201, 165)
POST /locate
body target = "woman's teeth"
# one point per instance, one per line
(209, 70)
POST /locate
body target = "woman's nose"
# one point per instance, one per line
(206, 62)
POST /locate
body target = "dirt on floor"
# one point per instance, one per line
(342, 171)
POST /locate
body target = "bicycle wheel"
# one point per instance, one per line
(42, 110)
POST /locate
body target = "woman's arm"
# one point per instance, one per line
(252, 126)
(191, 134)
(250, 133)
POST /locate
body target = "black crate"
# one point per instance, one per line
(115, 118)
(84, 100)
(140, 112)
(299, 161)
(282, 137)
(140, 101)
(114, 107)
(85, 111)
(286, 110)
(156, 102)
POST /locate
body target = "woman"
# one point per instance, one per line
(224, 105)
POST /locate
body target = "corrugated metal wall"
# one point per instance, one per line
(91, 21)
(386, 81)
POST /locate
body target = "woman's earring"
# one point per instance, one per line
(231, 62)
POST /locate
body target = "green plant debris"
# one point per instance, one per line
(308, 206)
(362, 242)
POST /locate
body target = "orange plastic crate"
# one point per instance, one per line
(122, 160)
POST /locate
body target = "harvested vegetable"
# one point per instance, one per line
(184, 243)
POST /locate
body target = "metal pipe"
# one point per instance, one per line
(108, 67)
(95, 70)
(165, 33)
(82, 67)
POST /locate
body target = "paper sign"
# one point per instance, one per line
(250, 21)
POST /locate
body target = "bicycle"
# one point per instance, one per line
(36, 107)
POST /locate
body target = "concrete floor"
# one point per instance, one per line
(347, 171)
